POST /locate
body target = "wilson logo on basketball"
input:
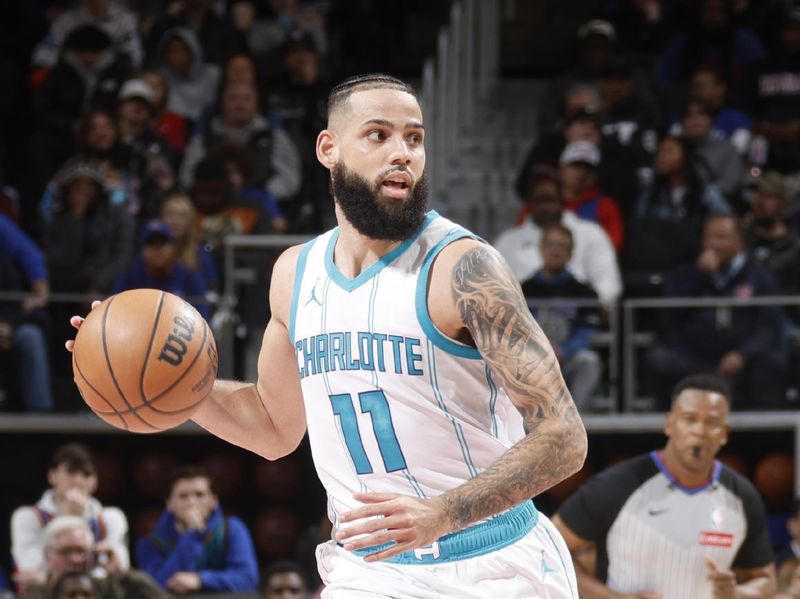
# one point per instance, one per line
(175, 346)
(716, 539)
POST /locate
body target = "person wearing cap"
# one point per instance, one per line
(72, 476)
(579, 162)
(772, 97)
(593, 258)
(157, 266)
(149, 158)
(773, 244)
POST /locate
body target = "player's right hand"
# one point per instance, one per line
(76, 321)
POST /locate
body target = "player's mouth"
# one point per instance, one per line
(397, 185)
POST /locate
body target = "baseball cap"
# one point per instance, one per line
(580, 151)
(772, 184)
(597, 27)
(135, 88)
(156, 228)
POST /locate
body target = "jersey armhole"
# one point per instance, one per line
(298, 281)
(436, 337)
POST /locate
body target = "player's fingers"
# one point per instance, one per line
(367, 511)
(69, 344)
(371, 526)
(374, 497)
(76, 321)
(381, 537)
(712, 565)
(389, 552)
(96, 303)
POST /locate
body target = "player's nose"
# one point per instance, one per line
(400, 153)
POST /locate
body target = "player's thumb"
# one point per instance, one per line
(712, 565)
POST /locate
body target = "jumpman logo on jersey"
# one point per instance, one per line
(313, 297)
(547, 569)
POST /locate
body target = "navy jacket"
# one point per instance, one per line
(223, 554)
(712, 332)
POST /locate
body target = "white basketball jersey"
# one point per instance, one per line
(392, 404)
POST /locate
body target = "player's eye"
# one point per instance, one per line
(376, 135)
(414, 138)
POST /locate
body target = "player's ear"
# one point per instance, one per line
(327, 148)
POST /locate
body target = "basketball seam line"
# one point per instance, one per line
(114, 410)
(111, 369)
(149, 349)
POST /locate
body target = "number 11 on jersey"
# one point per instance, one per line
(376, 404)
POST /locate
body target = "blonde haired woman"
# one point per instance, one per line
(178, 212)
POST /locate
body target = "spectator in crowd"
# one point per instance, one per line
(194, 547)
(772, 98)
(730, 123)
(674, 510)
(147, 156)
(301, 101)
(716, 160)
(215, 36)
(738, 343)
(23, 324)
(277, 163)
(284, 579)
(267, 37)
(191, 81)
(242, 176)
(168, 124)
(665, 229)
(74, 584)
(112, 17)
(788, 558)
(579, 162)
(88, 75)
(772, 243)
(597, 53)
(568, 327)
(178, 212)
(69, 546)
(157, 266)
(72, 477)
(593, 259)
(98, 147)
(711, 39)
(220, 211)
(88, 240)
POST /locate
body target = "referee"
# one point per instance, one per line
(674, 523)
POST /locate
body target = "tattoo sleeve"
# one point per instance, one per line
(491, 305)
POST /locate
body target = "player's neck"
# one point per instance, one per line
(354, 252)
(684, 476)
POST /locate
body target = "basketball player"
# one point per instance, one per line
(404, 345)
(674, 523)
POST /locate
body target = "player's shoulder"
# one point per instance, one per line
(282, 283)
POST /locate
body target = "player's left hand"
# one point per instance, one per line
(408, 522)
(724, 581)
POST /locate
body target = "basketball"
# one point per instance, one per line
(144, 360)
(774, 478)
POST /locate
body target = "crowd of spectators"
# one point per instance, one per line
(158, 128)
(669, 150)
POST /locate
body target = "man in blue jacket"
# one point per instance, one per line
(194, 547)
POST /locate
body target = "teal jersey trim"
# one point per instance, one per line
(491, 535)
(384, 261)
(421, 302)
(298, 281)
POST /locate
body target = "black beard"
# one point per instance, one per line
(373, 216)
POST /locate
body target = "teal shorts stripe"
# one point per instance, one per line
(491, 535)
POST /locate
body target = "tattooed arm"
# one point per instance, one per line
(474, 297)
(491, 306)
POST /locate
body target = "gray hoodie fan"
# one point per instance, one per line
(189, 95)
